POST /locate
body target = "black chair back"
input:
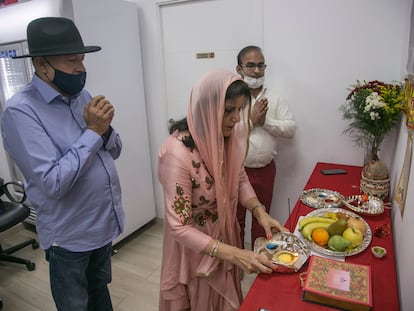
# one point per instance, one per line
(14, 191)
(13, 211)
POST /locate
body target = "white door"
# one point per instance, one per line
(216, 29)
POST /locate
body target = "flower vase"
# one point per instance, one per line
(375, 175)
(370, 154)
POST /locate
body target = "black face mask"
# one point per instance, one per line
(68, 83)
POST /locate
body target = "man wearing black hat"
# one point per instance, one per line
(61, 139)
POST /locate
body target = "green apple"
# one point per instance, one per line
(353, 235)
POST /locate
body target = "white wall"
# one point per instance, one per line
(315, 50)
(26, 12)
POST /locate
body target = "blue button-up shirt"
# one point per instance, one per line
(70, 175)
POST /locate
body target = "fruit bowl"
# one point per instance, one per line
(286, 251)
(367, 237)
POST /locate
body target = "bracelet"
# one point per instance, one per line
(251, 123)
(216, 249)
(213, 251)
(257, 206)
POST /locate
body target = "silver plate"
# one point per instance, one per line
(322, 198)
(284, 242)
(365, 242)
(374, 205)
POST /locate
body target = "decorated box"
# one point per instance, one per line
(338, 284)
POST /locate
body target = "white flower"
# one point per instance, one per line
(374, 115)
(373, 101)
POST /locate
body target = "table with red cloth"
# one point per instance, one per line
(279, 291)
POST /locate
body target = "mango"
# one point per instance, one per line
(338, 227)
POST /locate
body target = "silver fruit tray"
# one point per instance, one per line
(326, 251)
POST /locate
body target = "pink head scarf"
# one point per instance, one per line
(223, 157)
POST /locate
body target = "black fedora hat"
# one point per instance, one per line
(49, 36)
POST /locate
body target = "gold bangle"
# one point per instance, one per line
(251, 123)
(257, 206)
(213, 250)
(216, 249)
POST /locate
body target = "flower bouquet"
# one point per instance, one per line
(373, 108)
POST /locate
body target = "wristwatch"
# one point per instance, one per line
(106, 135)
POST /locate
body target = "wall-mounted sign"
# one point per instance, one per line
(7, 2)
(8, 53)
(205, 55)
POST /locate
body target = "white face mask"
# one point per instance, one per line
(254, 83)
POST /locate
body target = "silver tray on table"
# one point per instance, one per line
(373, 206)
(322, 198)
(287, 252)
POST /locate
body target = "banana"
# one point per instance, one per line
(330, 215)
(308, 228)
(307, 220)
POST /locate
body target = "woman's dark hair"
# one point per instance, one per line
(235, 89)
(182, 125)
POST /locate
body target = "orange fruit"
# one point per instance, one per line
(320, 236)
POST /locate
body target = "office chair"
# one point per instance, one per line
(13, 212)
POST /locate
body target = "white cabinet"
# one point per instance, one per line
(116, 72)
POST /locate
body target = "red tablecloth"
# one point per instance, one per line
(284, 292)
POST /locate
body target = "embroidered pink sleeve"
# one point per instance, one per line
(175, 178)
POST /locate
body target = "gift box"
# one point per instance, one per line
(338, 284)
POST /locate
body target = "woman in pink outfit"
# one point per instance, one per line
(200, 167)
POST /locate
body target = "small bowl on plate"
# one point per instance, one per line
(286, 251)
(378, 251)
(285, 257)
